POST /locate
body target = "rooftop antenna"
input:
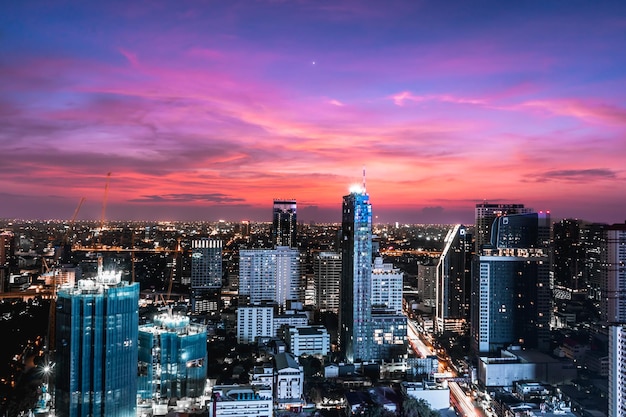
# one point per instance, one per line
(364, 180)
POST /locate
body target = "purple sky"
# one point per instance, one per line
(208, 110)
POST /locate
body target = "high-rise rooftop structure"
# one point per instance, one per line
(327, 273)
(512, 298)
(355, 332)
(96, 348)
(270, 275)
(284, 223)
(172, 358)
(454, 281)
(486, 213)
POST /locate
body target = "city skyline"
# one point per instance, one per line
(210, 111)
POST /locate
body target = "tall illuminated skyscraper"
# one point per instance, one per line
(355, 313)
(96, 343)
(284, 223)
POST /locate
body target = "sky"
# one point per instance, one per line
(207, 110)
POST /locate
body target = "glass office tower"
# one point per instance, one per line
(96, 342)
(355, 313)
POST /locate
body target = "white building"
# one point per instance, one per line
(253, 322)
(386, 286)
(270, 275)
(241, 400)
(291, 318)
(617, 371)
(289, 382)
(309, 340)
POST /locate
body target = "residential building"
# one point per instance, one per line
(307, 340)
(327, 276)
(254, 321)
(284, 223)
(386, 287)
(206, 274)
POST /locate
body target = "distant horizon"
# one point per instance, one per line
(211, 110)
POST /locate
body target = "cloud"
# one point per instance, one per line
(400, 98)
(586, 110)
(187, 198)
(577, 175)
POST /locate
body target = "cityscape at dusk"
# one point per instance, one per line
(209, 110)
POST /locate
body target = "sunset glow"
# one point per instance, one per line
(207, 110)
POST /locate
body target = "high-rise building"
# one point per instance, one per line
(270, 275)
(617, 370)
(614, 304)
(206, 264)
(568, 255)
(427, 283)
(355, 332)
(386, 287)
(206, 275)
(327, 273)
(7, 247)
(284, 223)
(96, 348)
(512, 299)
(486, 213)
(454, 272)
(172, 358)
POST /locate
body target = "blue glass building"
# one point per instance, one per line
(172, 358)
(355, 313)
(96, 342)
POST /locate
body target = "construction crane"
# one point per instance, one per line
(104, 206)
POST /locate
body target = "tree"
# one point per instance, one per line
(412, 407)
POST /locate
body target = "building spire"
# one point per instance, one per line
(364, 189)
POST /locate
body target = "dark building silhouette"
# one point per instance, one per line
(284, 223)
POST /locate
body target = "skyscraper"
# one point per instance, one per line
(206, 273)
(327, 273)
(486, 213)
(172, 358)
(617, 370)
(512, 301)
(284, 223)
(569, 257)
(614, 298)
(96, 342)
(355, 313)
(454, 281)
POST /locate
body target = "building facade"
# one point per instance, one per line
(172, 358)
(454, 274)
(253, 322)
(386, 287)
(512, 298)
(241, 401)
(288, 383)
(284, 223)
(96, 348)
(486, 213)
(270, 275)
(327, 276)
(355, 332)
(307, 340)
(206, 274)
